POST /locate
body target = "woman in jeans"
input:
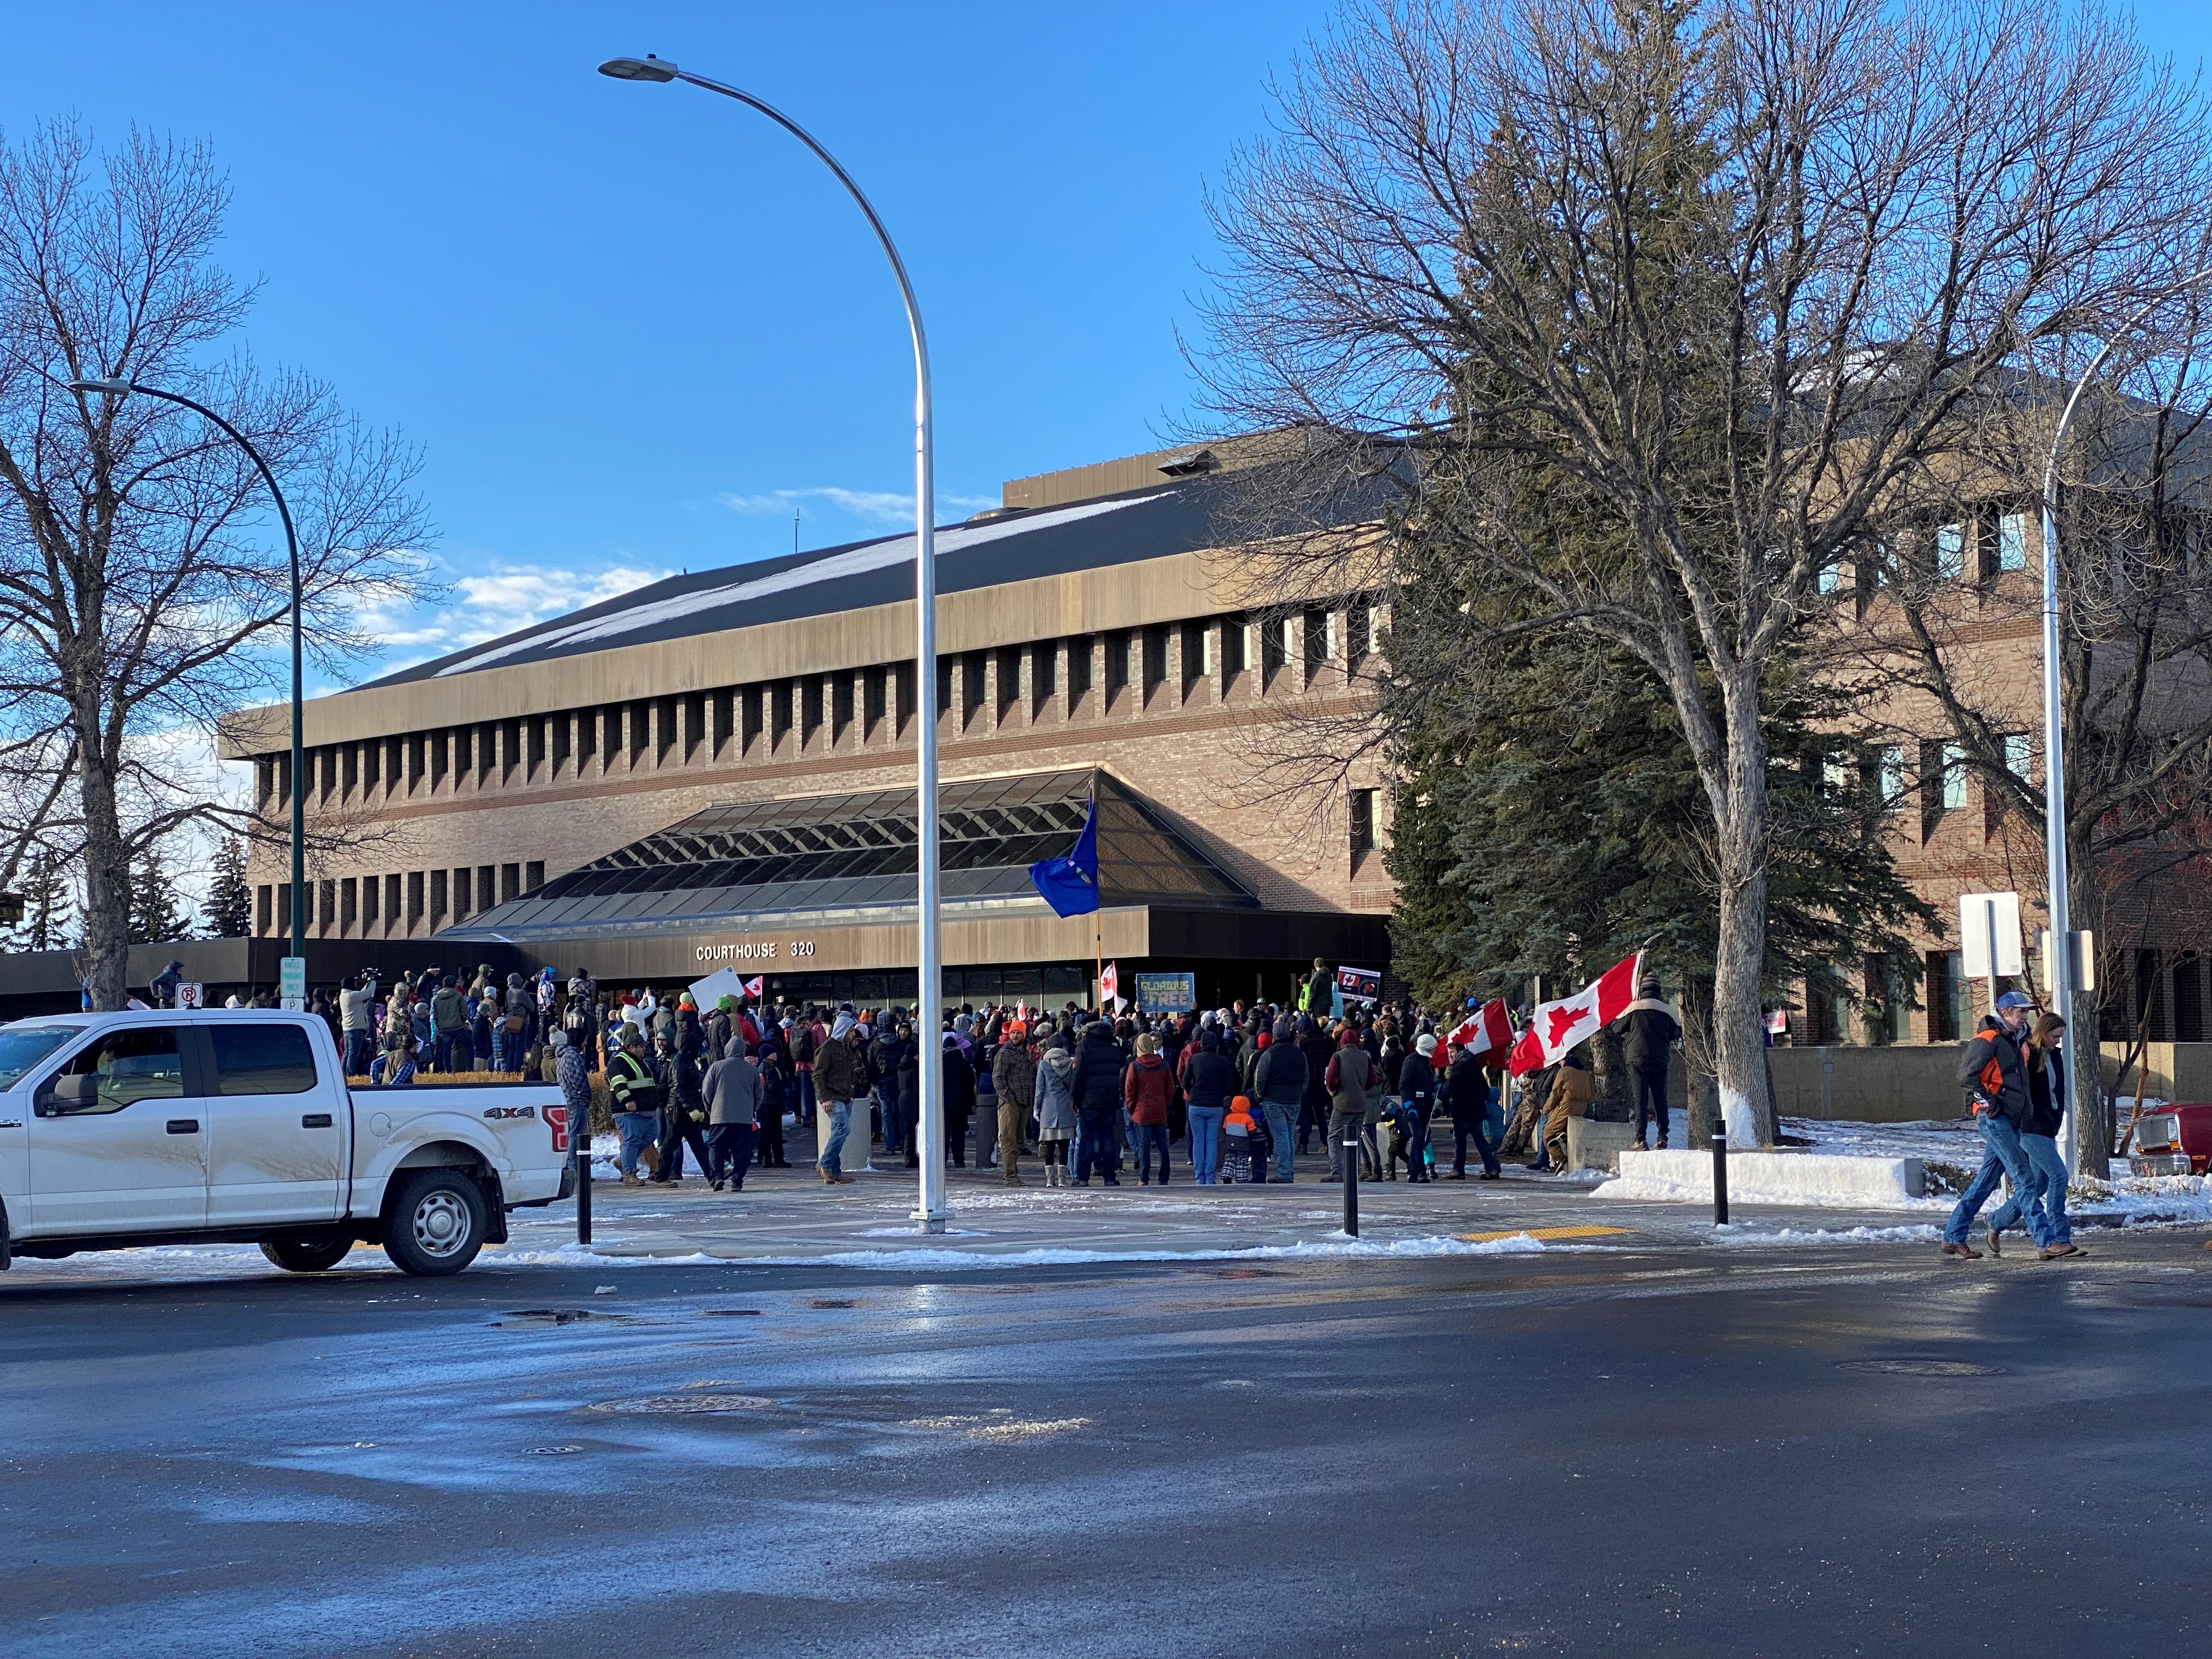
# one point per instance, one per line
(2046, 1094)
(1209, 1078)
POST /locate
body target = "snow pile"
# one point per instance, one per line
(1736, 1233)
(1818, 1179)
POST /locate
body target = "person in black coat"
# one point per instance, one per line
(1097, 1089)
(1467, 1093)
(959, 1099)
(889, 1063)
(1648, 1033)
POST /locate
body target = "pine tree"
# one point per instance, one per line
(154, 918)
(228, 912)
(48, 904)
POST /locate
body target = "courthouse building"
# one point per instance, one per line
(718, 769)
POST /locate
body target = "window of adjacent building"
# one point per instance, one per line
(1274, 650)
(1950, 551)
(371, 888)
(1889, 776)
(414, 897)
(1236, 653)
(487, 877)
(1117, 666)
(780, 701)
(348, 904)
(809, 709)
(1362, 821)
(533, 875)
(1206, 652)
(974, 698)
(2012, 542)
(510, 882)
(2019, 754)
(1954, 776)
(463, 892)
(1153, 642)
(437, 895)
(1949, 996)
(392, 897)
(1830, 578)
(263, 904)
(903, 683)
(1835, 777)
(326, 905)
(564, 730)
(1319, 634)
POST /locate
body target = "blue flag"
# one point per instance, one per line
(1070, 883)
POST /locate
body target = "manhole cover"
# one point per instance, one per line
(1922, 1367)
(686, 1405)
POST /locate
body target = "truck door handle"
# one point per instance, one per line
(316, 1120)
(184, 1126)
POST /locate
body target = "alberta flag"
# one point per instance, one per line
(1070, 883)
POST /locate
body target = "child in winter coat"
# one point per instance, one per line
(1055, 1110)
(1239, 1159)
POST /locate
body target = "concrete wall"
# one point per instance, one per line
(1904, 1085)
(1910, 1084)
(2167, 1070)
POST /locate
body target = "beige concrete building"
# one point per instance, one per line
(745, 732)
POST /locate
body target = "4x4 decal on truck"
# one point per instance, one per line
(512, 1111)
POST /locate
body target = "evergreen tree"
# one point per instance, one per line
(48, 906)
(154, 918)
(228, 912)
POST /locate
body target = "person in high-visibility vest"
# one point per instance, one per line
(634, 1092)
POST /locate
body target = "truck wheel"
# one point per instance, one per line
(306, 1255)
(436, 1223)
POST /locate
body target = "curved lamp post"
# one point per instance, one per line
(930, 979)
(2054, 749)
(124, 388)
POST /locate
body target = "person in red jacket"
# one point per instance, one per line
(1144, 1088)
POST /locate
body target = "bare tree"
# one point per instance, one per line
(1739, 270)
(142, 589)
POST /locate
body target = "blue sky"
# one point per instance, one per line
(634, 327)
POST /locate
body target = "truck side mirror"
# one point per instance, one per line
(72, 1092)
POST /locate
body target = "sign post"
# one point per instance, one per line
(292, 984)
(1989, 938)
(192, 996)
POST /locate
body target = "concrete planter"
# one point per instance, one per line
(1594, 1145)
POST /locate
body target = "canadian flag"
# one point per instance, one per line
(1486, 1033)
(752, 986)
(1558, 1026)
(1109, 985)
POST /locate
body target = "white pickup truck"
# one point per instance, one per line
(189, 1126)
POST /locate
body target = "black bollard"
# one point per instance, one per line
(1350, 1150)
(1720, 1171)
(580, 1148)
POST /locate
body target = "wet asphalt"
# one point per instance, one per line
(1616, 1451)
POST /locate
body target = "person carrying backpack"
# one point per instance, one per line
(1993, 1074)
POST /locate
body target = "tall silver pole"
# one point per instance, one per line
(2054, 747)
(929, 953)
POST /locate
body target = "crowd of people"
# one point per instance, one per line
(1235, 1094)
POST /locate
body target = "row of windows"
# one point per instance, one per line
(401, 903)
(1943, 774)
(1982, 546)
(1127, 671)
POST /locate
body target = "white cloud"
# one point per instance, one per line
(487, 604)
(876, 506)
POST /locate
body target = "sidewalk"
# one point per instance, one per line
(789, 1215)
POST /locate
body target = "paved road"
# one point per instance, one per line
(1626, 1452)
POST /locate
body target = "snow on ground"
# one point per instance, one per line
(1737, 1233)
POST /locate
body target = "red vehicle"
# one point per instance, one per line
(2175, 1139)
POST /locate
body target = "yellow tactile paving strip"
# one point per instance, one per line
(1541, 1235)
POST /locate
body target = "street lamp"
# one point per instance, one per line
(2054, 749)
(930, 979)
(121, 388)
